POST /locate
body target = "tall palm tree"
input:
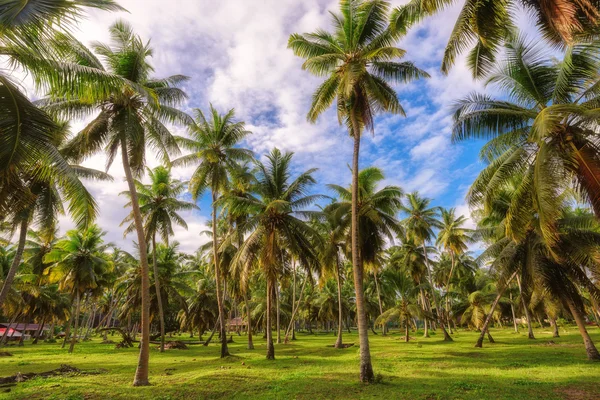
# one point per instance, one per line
(377, 221)
(159, 206)
(487, 24)
(454, 238)
(79, 265)
(212, 143)
(420, 221)
(359, 60)
(131, 117)
(545, 132)
(274, 225)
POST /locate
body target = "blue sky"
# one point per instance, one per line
(235, 53)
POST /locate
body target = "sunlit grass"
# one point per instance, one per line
(513, 368)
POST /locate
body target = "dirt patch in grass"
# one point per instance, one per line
(574, 393)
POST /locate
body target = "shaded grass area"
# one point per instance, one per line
(512, 368)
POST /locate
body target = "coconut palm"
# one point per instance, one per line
(359, 60)
(333, 226)
(159, 206)
(212, 143)
(486, 25)
(420, 221)
(405, 292)
(131, 117)
(26, 132)
(78, 265)
(47, 196)
(274, 225)
(545, 132)
(454, 238)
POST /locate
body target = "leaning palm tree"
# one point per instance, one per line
(420, 221)
(544, 131)
(79, 265)
(159, 206)
(274, 226)
(359, 60)
(131, 117)
(212, 143)
(487, 24)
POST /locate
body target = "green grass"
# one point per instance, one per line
(513, 368)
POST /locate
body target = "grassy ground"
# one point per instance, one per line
(513, 368)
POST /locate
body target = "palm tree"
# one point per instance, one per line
(46, 197)
(377, 221)
(419, 223)
(334, 228)
(159, 206)
(406, 308)
(131, 117)
(488, 24)
(27, 133)
(454, 238)
(79, 265)
(358, 59)
(213, 148)
(545, 133)
(273, 216)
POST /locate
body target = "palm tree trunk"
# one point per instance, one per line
(77, 309)
(338, 342)
(223, 326)
(142, 370)
(512, 310)
(38, 332)
(12, 271)
(366, 368)
(22, 338)
(406, 338)
(269, 332)
(294, 312)
(438, 310)
(383, 325)
(479, 342)
(448, 289)
(249, 320)
(555, 327)
(67, 331)
(277, 294)
(425, 322)
(211, 334)
(12, 321)
(161, 313)
(590, 348)
(530, 334)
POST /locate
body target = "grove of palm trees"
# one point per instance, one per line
(285, 199)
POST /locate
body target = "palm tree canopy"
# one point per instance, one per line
(358, 60)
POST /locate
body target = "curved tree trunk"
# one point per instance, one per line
(438, 310)
(161, 313)
(223, 326)
(268, 331)
(530, 334)
(12, 321)
(12, 271)
(38, 332)
(383, 324)
(142, 370)
(212, 333)
(77, 310)
(488, 319)
(366, 368)
(554, 327)
(338, 342)
(590, 348)
(294, 312)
